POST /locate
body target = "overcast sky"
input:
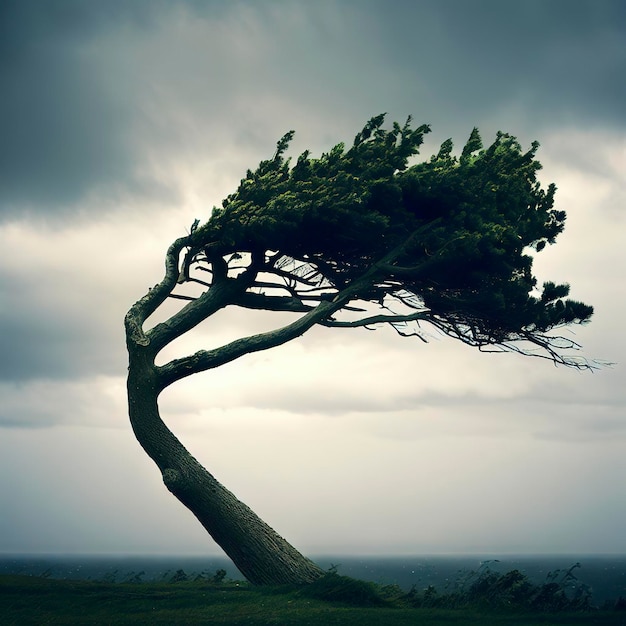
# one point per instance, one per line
(122, 122)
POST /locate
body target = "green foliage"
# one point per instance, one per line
(135, 577)
(488, 210)
(179, 577)
(452, 238)
(334, 209)
(511, 590)
(219, 576)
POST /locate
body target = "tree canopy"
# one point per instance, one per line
(448, 241)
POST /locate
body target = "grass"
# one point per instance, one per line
(335, 599)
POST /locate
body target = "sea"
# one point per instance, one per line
(604, 576)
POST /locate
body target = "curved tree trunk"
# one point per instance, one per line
(261, 555)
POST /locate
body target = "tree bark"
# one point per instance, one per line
(259, 553)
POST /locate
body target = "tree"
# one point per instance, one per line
(355, 238)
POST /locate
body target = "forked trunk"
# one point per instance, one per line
(259, 553)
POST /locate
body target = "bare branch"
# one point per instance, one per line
(143, 308)
(377, 319)
(220, 295)
(210, 359)
(200, 282)
(178, 296)
(250, 300)
(547, 347)
(278, 271)
(400, 330)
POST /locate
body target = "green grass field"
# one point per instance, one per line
(31, 600)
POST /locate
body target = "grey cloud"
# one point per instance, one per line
(93, 401)
(36, 344)
(557, 62)
(340, 402)
(54, 349)
(64, 131)
(96, 94)
(102, 98)
(590, 416)
(55, 324)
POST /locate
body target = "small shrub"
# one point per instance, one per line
(486, 588)
(336, 588)
(219, 577)
(214, 578)
(133, 577)
(110, 577)
(179, 577)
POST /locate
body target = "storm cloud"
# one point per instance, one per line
(102, 98)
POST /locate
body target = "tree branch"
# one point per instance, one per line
(546, 346)
(250, 300)
(278, 270)
(143, 308)
(221, 294)
(209, 359)
(177, 296)
(377, 319)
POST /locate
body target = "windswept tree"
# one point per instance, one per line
(355, 238)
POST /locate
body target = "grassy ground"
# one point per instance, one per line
(29, 600)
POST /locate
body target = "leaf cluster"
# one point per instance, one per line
(337, 210)
(488, 213)
(452, 238)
